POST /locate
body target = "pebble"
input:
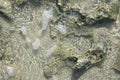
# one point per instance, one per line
(10, 71)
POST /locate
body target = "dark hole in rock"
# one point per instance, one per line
(105, 22)
(0, 27)
(82, 17)
(72, 59)
(23, 4)
(94, 52)
(101, 56)
(5, 17)
(87, 36)
(77, 72)
(60, 8)
(116, 71)
(76, 13)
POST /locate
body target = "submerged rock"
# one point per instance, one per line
(70, 33)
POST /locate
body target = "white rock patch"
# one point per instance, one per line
(54, 77)
(51, 50)
(46, 17)
(61, 28)
(36, 44)
(24, 31)
(10, 71)
(27, 39)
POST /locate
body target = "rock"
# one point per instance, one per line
(61, 28)
(51, 51)
(6, 6)
(76, 26)
(47, 14)
(10, 71)
(90, 14)
(23, 31)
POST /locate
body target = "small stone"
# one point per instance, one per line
(10, 71)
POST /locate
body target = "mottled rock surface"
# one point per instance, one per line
(59, 39)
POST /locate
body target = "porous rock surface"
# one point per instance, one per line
(37, 36)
